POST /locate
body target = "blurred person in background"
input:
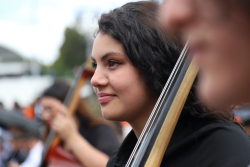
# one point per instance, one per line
(5, 148)
(33, 111)
(29, 112)
(38, 110)
(17, 107)
(9, 151)
(242, 115)
(88, 137)
(4, 153)
(1, 105)
(22, 140)
(220, 38)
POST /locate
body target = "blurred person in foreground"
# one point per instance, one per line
(88, 137)
(220, 38)
(29, 142)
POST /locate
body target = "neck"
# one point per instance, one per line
(141, 120)
(138, 127)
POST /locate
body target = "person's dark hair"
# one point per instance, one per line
(58, 90)
(150, 49)
(22, 133)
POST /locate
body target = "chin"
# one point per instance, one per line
(108, 115)
(112, 116)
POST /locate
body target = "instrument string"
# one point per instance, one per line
(143, 145)
(154, 114)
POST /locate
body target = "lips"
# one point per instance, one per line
(105, 97)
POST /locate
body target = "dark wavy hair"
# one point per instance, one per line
(150, 49)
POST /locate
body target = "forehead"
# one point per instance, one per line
(104, 44)
(49, 100)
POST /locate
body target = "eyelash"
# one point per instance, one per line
(112, 63)
(115, 63)
(94, 65)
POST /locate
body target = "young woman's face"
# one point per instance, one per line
(50, 108)
(122, 93)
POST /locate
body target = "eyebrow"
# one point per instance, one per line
(107, 55)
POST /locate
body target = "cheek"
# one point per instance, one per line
(131, 97)
(95, 90)
(223, 74)
(124, 80)
(129, 84)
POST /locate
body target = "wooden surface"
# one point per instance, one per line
(167, 129)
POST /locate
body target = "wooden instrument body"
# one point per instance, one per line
(59, 157)
(168, 126)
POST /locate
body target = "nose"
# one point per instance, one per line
(99, 78)
(176, 14)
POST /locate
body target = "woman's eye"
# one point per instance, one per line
(94, 65)
(113, 63)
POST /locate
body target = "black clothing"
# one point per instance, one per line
(197, 142)
(18, 157)
(101, 137)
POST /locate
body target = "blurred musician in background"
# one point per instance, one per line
(5, 149)
(23, 146)
(89, 138)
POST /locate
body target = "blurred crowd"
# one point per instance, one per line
(19, 136)
(24, 133)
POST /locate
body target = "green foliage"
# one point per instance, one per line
(72, 52)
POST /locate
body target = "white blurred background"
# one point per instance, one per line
(32, 32)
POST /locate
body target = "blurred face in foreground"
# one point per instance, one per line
(221, 40)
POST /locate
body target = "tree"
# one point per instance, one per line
(72, 52)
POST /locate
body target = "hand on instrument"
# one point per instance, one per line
(65, 125)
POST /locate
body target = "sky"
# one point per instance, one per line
(34, 28)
